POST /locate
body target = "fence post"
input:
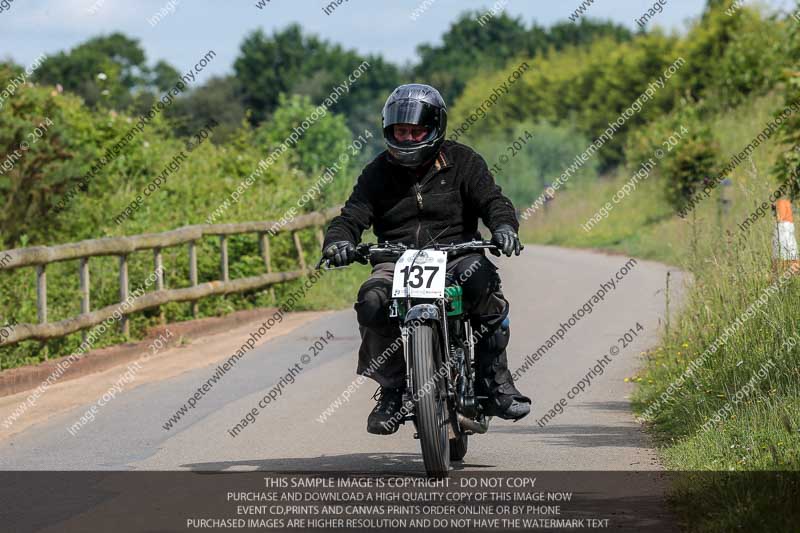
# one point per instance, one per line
(300, 253)
(41, 293)
(223, 247)
(44, 330)
(320, 237)
(41, 300)
(158, 261)
(263, 241)
(193, 273)
(123, 293)
(85, 301)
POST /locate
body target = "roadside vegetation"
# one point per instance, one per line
(78, 136)
(721, 393)
(87, 99)
(702, 96)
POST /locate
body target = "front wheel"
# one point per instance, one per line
(430, 400)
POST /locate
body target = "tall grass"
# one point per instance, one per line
(759, 429)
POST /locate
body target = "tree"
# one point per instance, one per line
(787, 167)
(693, 160)
(105, 71)
(564, 34)
(289, 62)
(220, 99)
(35, 175)
(321, 144)
(103, 68)
(270, 65)
(164, 76)
(471, 45)
(705, 45)
(528, 159)
(584, 88)
(474, 43)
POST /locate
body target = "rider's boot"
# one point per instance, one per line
(387, 415)
(494, 378)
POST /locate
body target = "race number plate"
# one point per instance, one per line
(420, 274)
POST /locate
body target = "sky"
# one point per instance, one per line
(29, 28)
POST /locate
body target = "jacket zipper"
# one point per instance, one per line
(419, 207)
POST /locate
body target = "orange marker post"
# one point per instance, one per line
(784, 243)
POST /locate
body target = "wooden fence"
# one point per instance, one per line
(41, 256)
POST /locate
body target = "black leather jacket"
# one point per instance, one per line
(443, 206)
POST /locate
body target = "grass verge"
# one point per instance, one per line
(722, 390)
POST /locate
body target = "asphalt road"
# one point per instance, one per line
(595, 431)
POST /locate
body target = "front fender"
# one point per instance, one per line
(422, 313)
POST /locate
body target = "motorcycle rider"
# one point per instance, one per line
(421, 190)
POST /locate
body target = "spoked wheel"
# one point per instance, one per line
(458, 447)
(430, 405)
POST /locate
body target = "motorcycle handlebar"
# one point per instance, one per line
(364, 250)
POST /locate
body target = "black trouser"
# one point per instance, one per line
(381, 356)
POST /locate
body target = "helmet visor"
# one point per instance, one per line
(411, 112)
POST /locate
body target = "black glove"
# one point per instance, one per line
(507, 240)
(340, 253)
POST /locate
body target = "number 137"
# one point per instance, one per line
(418, 274)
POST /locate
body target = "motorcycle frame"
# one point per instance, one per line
(420, 306)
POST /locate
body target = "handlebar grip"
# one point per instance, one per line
(362, 253)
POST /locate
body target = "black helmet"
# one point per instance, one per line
(420, 105)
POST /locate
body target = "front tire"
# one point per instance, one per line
(430, 400)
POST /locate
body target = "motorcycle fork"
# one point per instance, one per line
(404, 339)
(446, 355)
(449, 358)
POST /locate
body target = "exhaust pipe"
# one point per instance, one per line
(473, 425)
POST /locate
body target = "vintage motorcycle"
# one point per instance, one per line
(439, 348)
